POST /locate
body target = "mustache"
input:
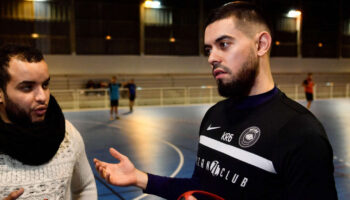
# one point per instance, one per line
(218, 65)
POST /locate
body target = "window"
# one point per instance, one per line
(158, 17)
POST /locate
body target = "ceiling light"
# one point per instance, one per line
(152, 4)
(34, 35)
(294, 13)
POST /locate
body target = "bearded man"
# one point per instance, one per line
(42, 155)
(256, 144)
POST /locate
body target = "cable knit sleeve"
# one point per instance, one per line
(83, 185)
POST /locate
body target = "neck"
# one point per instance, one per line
(263, 81)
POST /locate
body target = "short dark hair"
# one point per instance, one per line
(23, 53)
(244, 12)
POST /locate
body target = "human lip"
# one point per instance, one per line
(40, 111)
(219, 73)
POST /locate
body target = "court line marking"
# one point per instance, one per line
(347, 164)
(181, 163)
(108, 187)
(179, 166)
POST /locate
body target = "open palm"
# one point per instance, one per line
(123, 173)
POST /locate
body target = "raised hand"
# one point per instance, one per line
(123, 173)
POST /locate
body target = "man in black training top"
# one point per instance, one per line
(256, 144)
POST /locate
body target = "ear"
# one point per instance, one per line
(263, 43)
(1, 96)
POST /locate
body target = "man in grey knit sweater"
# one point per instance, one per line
(42, 155)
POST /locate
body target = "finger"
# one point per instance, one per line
(98, 167)
(108, 178)
(101, 171)
(105, 175)
(97, 164)
(15, 194)
(101, 164)
(97, 161)
(116, 154)
(191, 198)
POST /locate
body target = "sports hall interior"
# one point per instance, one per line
(160, 46)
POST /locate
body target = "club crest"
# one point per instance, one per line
(249, 137)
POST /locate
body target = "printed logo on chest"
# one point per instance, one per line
(220, 172)
(249, 137)
(227, 137)
(246, 139)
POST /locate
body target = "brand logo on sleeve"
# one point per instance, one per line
(249, 137)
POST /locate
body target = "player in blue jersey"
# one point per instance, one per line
(132, 93)
(114, 97)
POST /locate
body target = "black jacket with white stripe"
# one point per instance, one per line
(264, 147)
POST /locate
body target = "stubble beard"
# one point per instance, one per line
(241, 84)
(15, 113)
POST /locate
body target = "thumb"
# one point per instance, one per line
(15, 194)
(116, 154)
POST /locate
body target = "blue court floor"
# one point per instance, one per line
(163, 141)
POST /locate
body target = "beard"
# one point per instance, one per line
(15, 113)
(242, 83)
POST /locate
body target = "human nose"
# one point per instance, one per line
(214, 58)
(41, 95)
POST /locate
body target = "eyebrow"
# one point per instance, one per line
(224, 37)
(32, 82)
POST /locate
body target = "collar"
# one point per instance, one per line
(256, 100)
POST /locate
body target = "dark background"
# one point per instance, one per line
(81, 27)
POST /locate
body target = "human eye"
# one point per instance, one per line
(46, 85)
(207, 51)
(224, 44)
(26, 88)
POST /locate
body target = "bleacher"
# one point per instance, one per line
(179, 89)
(64, 82)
